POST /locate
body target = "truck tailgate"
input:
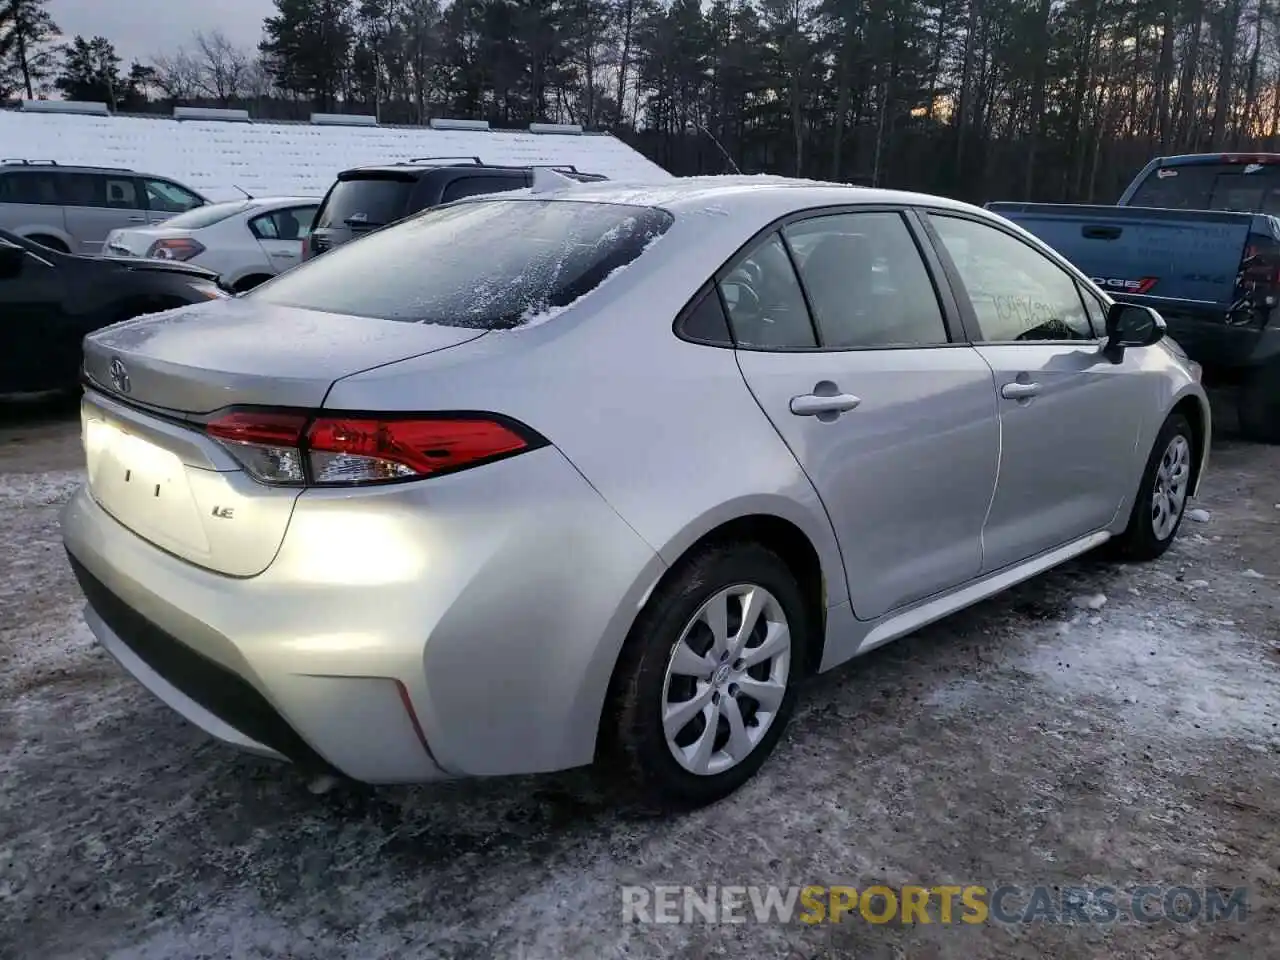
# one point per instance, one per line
(1192, 256)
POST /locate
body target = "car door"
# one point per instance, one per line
(843, 339)
(281, 234)
(96, 204)
(1070, 418)
(165, 199)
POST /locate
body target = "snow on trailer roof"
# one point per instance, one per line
(292, 159)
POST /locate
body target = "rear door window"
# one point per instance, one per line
(493, 264)
(866, 281)
(99, 190)
(366, 202)
(765, 303)
(122, 193)
(293, 223)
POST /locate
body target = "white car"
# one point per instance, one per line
(244, 241)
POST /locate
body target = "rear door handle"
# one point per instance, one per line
(137, 219)
(1019, 391)
(286, 256)
(812, 405)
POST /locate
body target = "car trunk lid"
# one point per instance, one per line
(151, 464)
(197, 359)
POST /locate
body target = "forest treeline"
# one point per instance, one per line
(980, 99)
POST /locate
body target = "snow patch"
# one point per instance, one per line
(1175, 680)
(1199, 515)
(1095, 601)
(21, 490)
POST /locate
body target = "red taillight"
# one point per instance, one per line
(178, 248)
(297, 449)
(306, 247)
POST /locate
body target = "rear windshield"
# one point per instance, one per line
(207, 215)
(1242, 187)
(365, 202)
(489, 264)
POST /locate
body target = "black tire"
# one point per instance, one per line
(1258, 405)
(1139, 542)
(634, 752)
(53, 243)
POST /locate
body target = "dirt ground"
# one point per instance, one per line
(1043, 737)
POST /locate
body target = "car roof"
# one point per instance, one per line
(44, 166)
(732, 195)
(429, 165)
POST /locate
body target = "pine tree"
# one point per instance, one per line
(27, 56)
(91, 71)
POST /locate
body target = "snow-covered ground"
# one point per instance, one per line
(1098, 725)
(291, 159)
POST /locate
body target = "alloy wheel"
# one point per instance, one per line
(1171, 484)
(726, 679)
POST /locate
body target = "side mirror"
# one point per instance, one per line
(11, 261)
(1130, 325)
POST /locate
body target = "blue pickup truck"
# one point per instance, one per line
(1198, 238)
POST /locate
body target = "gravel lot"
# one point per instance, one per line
(1029, 740)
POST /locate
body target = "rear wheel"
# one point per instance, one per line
(1258, 405)
(706, 681)
(1162, 495)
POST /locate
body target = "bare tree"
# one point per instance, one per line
(177, 75)
(223, 67)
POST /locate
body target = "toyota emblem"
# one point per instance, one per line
(119, 376)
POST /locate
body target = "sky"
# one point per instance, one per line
(143, 29)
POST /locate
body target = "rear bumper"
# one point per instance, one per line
(212, 697)
(464, 626)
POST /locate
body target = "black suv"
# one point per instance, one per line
(367, 198)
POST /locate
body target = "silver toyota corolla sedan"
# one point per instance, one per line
(597, 474)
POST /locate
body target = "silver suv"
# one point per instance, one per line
(72, 209)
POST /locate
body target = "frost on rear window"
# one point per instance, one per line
(491, 264)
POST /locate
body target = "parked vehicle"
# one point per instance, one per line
(244, 241)
(72, 209)
(368, 198)
(1196, 237)
(759, 444)
(50, 300)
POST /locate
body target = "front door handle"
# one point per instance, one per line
(1019, 391)
(137, 219)
(823, 407)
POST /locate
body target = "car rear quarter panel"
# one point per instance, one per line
(666, 430)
